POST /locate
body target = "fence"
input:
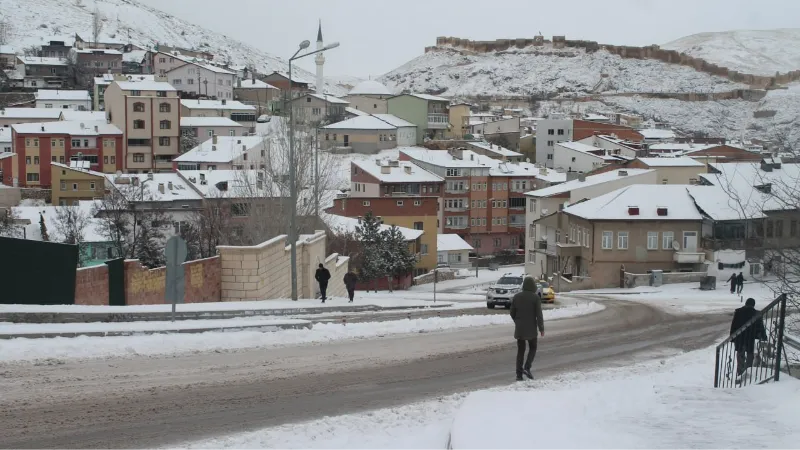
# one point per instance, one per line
(752, 354)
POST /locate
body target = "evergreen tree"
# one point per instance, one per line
(373, 265)
(150, 248)
(400, 260)
(43, 228)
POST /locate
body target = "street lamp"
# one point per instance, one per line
(292, 166)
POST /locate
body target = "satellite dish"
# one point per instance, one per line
(676, 246)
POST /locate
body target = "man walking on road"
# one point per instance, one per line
(734, 282)
(745, 343)
(739, 283)
(322, 276)
(526, 311)
(350, 280)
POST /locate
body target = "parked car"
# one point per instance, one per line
(263, 118)
(546, 291)
(502, 291)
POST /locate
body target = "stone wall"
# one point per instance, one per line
(36, 194)
(426, 278)
(633, 280)
(145, 286)
(649, 52)
(262, 271)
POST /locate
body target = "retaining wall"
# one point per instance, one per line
(633, 280)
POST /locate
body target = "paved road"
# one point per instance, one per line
(146, 402)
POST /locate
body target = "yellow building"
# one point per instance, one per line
(71, 184)
(459, 121)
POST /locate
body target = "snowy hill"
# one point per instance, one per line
(33, 21)
(516, 72)
(756, 52)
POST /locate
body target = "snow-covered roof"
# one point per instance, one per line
(580, 147)
(648, 198)
(295, 78)
(197, 62)
(361, 123)
(145, 86)
(62, 94)
(328, 98)
(148, 189)
(105, 51)
(135, 56)
(594, 117)
(403, 172)
(255, 84)
(470, 159)
(355, 111)
(72, 128)
(657, 133)
(30, 113)
(82, 116)
(671, 162)
(391, 119)
(680, 146)
(551, 176)
(76, 165)
(91, 232)
(342, 224)
(226, 150)
(451, 243)
(42, 61)
(370, 87)
(217, 104)
(214, 121)
(735, 195)
(429, 97)
(5, 134)
(502, 151)
(590, 180)
(109, 78)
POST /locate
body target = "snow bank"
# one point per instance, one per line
(656, 404)
(15, 350)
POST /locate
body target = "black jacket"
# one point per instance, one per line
(740, 279)
(732, 279)
(526, 311)
(322, 275)
(350, 280)
(756, 330)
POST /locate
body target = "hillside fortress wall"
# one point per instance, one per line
(649, 52)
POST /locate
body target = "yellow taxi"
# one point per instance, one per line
(546, 291)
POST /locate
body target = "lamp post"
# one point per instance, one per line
(293, 166)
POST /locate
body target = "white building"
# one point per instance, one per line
(234, 110)
(203, 128)
(453, 251)
(579, 157)
(63, 99)
(369, 96)
(225, 152)
(195, 76)
(653, 135)
(615, 145)
(406, 131)
(548, 133)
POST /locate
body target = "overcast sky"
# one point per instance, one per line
(377, 36)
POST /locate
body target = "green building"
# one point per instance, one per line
(428, 112)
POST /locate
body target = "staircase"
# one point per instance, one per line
(766, 333)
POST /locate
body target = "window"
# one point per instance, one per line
(61, 159)
(161, 93)
(550, 144)
(755, 269)
(666, 240)
(74, 186)
(28, 160)
(622, 240)
(35, 142)
(63, 185)
(399, 203)
(472, 222)
(86, 143)
(231, 132)
(498, 242)
(176, 81)
(219, 81)
(164, 107)
(560, 132)
(105, 159)
(36, 160)
(91, 185)
(138, 107)
(551, 132)
(579, 236)
(113, 160)
(586, 237)
(652, 240)
(137, 125)
(417, 225)
(532, 205)
(664, 181)
(190, 81)
(138, 157)
(779, 228)
(162, 60)
(689, 240)
(316, 111)
(240, 209)
(476, 243)
(137, 94)
(165, 125)
(453, 172)
(53, 158)
(365, 203)
(48, 105)
(32, 177)
(513, 241)
(793, 228)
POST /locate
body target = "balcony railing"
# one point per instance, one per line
(732, 244)
(438, 121)
(516, 224)
(463, 190)
(456, 226)
(545, 247)
(457, 208)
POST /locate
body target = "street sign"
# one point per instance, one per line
(175, 254)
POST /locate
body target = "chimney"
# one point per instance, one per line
(407, 169)
(622, 173)
(42, 127)
(213, 148)
(161, 187)
(224, 102)
(82, 126)
(214, 139)
(96, 129)
(202, 177)
(169, 185)
(582, 177)
(661, 211)
(238, 141)
(386, 169)
(149, 175)
(633, 210)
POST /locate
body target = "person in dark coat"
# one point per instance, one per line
(739, 283)
(526, 311)
(745, 342)
(350, 280)
(733, 282)
(322, 276)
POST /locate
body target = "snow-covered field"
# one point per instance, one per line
(663, 403)
(687, 297)
(757, 52)
(19, 350)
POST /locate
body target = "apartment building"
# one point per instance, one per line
(225, 153)
(369, 96)
(579, 157)
(428, 112)
(204, 128)
(483, 198)
(264, 96)
(74, 182)
(236, 111)
(94, 62)
(555, 130)
(317, 108)
(149, 114)
(392, 178)
(63, 99)
(194, 76)
(43, 72)
(671, 170)
(37, 145)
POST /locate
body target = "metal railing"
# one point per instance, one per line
(752, 354)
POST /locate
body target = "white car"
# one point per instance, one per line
(501, 292)
(263, 119)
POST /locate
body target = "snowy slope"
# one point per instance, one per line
(33, 21)
(757, 52)
(523, 71)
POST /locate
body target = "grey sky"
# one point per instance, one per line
(377, 36)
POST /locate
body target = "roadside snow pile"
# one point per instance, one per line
(15, 350)
(657, 404)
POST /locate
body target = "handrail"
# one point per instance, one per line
(751, 321)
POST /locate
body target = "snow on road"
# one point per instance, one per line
(82, 347)
(687, 297)
(666, 403)
(485, 277)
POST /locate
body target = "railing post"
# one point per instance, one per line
(781, 325)
(716, 370)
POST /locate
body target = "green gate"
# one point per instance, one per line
(116, 282)
(37, 273)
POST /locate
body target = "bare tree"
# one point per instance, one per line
(188, 141)
(8, 227)
(97, 25)
(6, 31)
(71, 223)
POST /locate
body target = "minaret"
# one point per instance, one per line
(320, 60)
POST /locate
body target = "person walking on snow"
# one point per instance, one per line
(322, 276)
(526, 311)
(350, 280)
(739, 283)
(733, 282)
(745, 343)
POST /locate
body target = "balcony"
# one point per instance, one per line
(457, 208)
(732, 244)
(453, 190)
(545, 247)
(516, 224)
(689, 257)
(438, 121)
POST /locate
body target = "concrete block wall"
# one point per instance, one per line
(633, 280)
(338, 267)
